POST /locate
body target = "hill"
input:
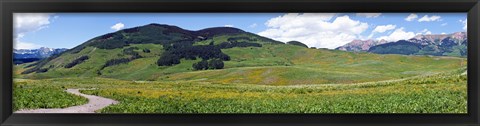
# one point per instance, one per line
(225, 55)
(297, 43)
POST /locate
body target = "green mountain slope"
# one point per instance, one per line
(134, 54)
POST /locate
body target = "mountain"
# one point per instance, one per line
(399, 47)
(454, 44)
(297, 43)
(30, 55)
(222, 55)
(168, 44)
(360, 45)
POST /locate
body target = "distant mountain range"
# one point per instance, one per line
(454, 44)
(30, 55)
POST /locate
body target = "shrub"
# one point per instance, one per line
(43, 70)
(215, 64)
(202, 65)
(180, 50)
(76, 61)
(146, 50)
(226, 45)
(116, 62)
(168, 60)
(211, 64)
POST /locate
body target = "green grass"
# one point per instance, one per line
(98, 57)
(293, 65)
(436, 93)
(27, 95)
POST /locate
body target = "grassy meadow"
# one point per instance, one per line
(436, 93)
(273, 78)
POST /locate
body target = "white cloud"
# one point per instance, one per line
(381, 29)
(228, 25)
(444, 24)
(411, 17)
(29, 22)
(443, 33)
(424, 32)
(254, 25)
(25, 45)
(314, 29)
(118, 26)
(426, 18)
(384, 28)
(369, 15)
(398, 34)
(464, 22)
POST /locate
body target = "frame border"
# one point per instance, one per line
(8, 7)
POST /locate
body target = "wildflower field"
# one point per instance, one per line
(436, 93)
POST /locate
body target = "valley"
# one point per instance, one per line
(165, 69)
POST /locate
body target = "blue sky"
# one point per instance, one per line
(322, 30)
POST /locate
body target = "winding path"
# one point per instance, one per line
(94, 103)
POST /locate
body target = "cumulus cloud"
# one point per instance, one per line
(411, 17)
(443, 33)
(384, 28)
(398, 34)
(369, 15)
(381, 29)
(464, 22)
(401, 34)
(314, 29)
(427, 18)
(118, 26)
(29, 22)
(254, 25)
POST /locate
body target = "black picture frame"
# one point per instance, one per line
(8, 7)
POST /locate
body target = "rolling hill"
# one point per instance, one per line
(225, 55)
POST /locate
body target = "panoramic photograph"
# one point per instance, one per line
(261, 63)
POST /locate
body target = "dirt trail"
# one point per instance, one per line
(94, 103)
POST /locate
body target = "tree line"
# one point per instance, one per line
(76, 61)
(128, 51)
(211, 55)
(186, 50)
